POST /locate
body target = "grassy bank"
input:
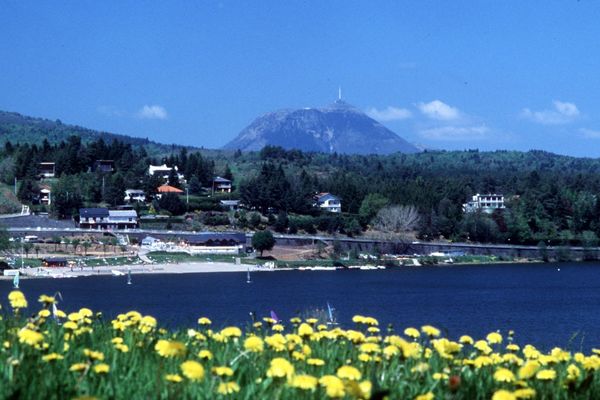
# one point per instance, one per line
(132, 357)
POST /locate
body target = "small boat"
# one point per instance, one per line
(129, 276)
(331, 318)
(116, 272)
(16, 280)
(274, 316)
(248, 280)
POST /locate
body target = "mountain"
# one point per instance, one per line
(339, 128)
(17, 128)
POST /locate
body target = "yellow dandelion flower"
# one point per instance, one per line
(17, 299)
(573, 372)
(175, 378)
(430, 331)
(312, 321)
(426, 396)
(412, 332)
(482, 361)
(231, 331)
(86, 312)
(204, 321)
(192, 370)
(304, 382)
(315, 361)
(494, 338)
(46, 299)
(334, 386)
(280, 368)
(528, 369)
(438, 376)
(546, 375)
(504, 375)
(524, 393)
(420, 368)
(466, 339)
(296, 355)
(44, 313)
(295, 320)
(254, 344)
(78, 367)
(94, 355)
(305, 330)
(369, 348)
(169, 348)
(222, 371)
(349, 372)
(364, 357)
(123, 348)
(503, 395)
(228, 388)
(205, 355)
(30, 337)
(52, 357)
(512, 347)
(101, 368)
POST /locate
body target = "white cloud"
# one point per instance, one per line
(439, 110)
(590, 133)
(456, 133)
(389, 114)
(152, 112)
(562, 113)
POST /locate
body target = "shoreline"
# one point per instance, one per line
(135, 269)
(207, 267)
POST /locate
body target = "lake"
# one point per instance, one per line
(545, 306)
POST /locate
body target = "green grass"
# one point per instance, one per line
(177, 258)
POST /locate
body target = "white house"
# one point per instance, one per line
(135, 195)
(164, 171)
(485, 202)
(328, 202)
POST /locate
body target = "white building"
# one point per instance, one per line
(328, 202)
(135, 195)
(484, 202)
(164, 171)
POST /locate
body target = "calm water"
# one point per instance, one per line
(544, 306)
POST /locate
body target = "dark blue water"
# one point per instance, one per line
(542, 305)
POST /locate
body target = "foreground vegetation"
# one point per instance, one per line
(79, 355)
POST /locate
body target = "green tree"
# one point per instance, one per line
(263, 240)
(172, 203)
(75, 243)
(86, 245)
(370, 206)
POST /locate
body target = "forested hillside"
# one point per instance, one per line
(17, 128)
(550, 198)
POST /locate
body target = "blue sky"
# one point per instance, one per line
(446, 74)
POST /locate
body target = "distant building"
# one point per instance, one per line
(226, 243)
(484, 202)
(221, 185)
(134, 195)
(54, 262)
(106, 166)
(230, 205)
(45, 195)
(103, 218)
(163, 171)
(47, 170)
(93, 218)
(328, 202)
